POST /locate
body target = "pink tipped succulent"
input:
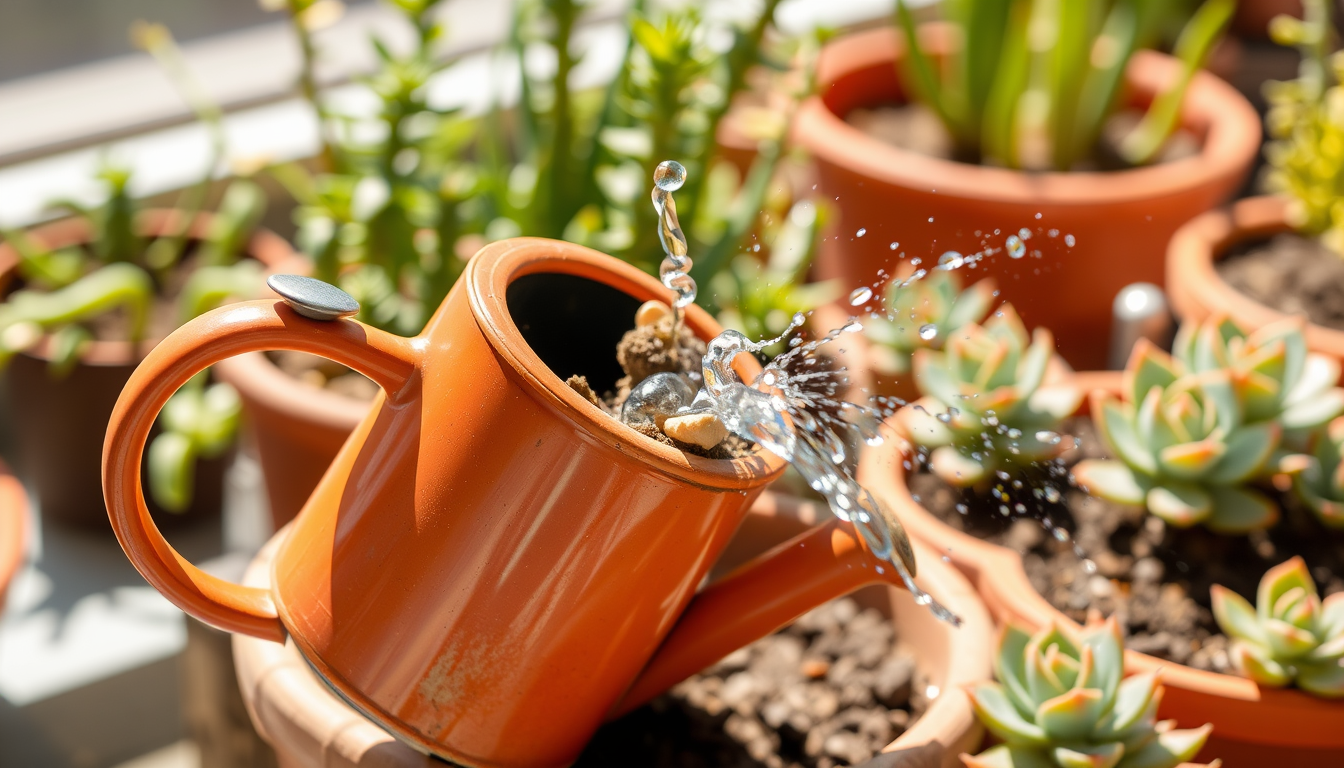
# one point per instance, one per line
(934, 300)
(1290, 636)
(1321, 484)
(1182, 447)
(986, 405)
(1060, 702)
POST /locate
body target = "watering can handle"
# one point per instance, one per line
(820, 564)
(246, 327)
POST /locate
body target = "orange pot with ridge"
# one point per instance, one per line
(492, 566)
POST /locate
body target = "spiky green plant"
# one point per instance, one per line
(1290, 635)
(1305, 123)
(986, 404)
(1182, 447)
(1060, 702)
(1320, 485)
(1273, 375)
(1031, 83)
(921, 300)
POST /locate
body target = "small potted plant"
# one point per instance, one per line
(1208, 444)
(1282, 254)
(87, 295)
(1042, 136)
(394, 221)
(1060, 702)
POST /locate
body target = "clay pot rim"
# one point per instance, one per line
(1010, 588)
(14, 510)
(298, 690)
(1198, 291)
(265, 246)
(1213, 109)
(487, 278)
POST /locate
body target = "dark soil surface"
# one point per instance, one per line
(1154, 577)
(1292, 274)
(829, 690)
(916, 128)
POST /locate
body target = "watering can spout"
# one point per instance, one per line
(757, 598)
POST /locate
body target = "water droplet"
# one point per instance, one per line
(669, 175)
(962, 508)
(1051, 494)
(930, 219)
(928, 331)
(862, 231)
(946, 418)
(1015, 247)
(951, 260)
(894, 246)
(1089, 567)
(1048, 437)
(1069, 241)
(1024, 233)
(1061, 534)
(860, 295)
(1038, 215)
(1052, 232)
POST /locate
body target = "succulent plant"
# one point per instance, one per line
(1290, 635)
(1273, 375)
(1060, 702)
(986, 406)
(1031, 84)
(1182, 448)
(924, 299)
(1320, 485)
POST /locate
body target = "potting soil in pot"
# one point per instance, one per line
(1290, 273)
(1121, 560)
(829, 690)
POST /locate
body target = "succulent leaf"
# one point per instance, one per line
(1111, 480)
(1180, 504)
(1240, 510)
(920, 300)
(1073, 709)
(1291, 636)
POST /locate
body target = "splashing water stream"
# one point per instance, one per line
(797, 415)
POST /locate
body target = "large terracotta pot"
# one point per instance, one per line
(1252, 726)
(13, 529)
(1197, 291)
(58, 423)
(310, 727)
(1121, 220)
(492, 564)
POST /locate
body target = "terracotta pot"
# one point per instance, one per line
(1252, 726)
(58, 423)
(309, 726)
(1121, 220)
(1197, 291)
(491, 563)
(13, 528)
(298, 428)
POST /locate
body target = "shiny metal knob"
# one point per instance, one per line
(313, 298)
(1139, 312)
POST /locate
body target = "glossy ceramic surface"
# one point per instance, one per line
(491, 560)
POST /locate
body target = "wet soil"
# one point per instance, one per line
(1290, 273)
(830, 690)
(1155, 578)
(917, 128)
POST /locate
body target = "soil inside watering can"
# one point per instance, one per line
(1155, 578)
(1290, 273)
(830, 690)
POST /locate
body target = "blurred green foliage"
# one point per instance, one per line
(1031, 83)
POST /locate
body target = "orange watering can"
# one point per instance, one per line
(492, 566)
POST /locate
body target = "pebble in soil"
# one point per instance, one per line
(1153, 577)
(829, 690)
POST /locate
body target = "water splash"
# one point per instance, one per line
(668, 177)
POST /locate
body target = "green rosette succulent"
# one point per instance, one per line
(1273, 375)
(986, 404)
(934, 299)
(1321, 484)
(1182, 447)
(1060, 702)
(1290, 635)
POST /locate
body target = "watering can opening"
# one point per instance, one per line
(573, 324)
